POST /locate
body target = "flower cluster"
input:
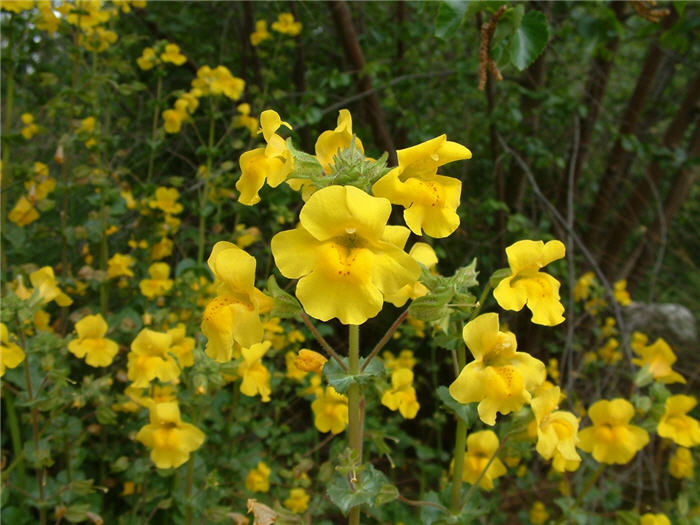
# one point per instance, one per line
(285, 24)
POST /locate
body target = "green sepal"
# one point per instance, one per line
(286, 306)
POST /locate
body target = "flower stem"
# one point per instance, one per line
(35, 437)
(354, 407)
(9, 100)
(385, 339)
(484, 471)
(460, 445)
(328, 348)
(188, 490)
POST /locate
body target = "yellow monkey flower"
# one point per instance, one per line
(612, 439)
(528, 285)
(677, 425)
(171, 441)
(481, 446)
(271, 163)
(402, 396)
(11, 355)
(150, 359)
(430, 200)
(330, 411)
(659, 357)
(347, 260)
(556, 430)
(91, 343)
(256, 378)
(499, 379)
(234, 314)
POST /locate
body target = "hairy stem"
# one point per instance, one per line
(354, 408)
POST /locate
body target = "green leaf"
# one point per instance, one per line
(529, 40)
(305, 165)
(16, 235)
(77, 513)
(341, 380)
(386, 494)
(184, 265)
(286, 305)
(449, 17)
(363, 489)
(466, 413)
(82, 487)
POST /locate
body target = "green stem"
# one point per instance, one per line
(460, 446)
(205, 189)
(385, 339)
(16, 435)
(35, 437)
(328, 348)
(154, 128)
(354, 407)
(188, 489)
(482, 299)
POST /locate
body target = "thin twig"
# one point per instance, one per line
(328, 348)
(385, 339)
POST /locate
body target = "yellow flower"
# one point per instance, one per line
(481, 446)
(675, 424)
(166, 200)
(169, 439)
(293, 372)
(11, 355)
(91, 343)
(331, 142)
(256, 378)
(298, 500)
(30, 128)
(609, 353)
(148, 59)
(17, 6)
(681, 464)
(405, 360)
(538, 513)
(346, 258)
(287, 25)
(218, 81)
(330, 411)
(556, 430)
(659, 357)
(162, 249)
(150, 358)
(310, 361)
(258, 479)
(172, 54)
(612, 439)
(654, 519)
(245, 120)
(172, 120)
(42, 321)
(97, 38)
(181, 346)
(44, 281)
(188, 102)
(158, 284)
(234, 315)
(272, 163)
(608, 329)
(402, 395)
(499, 378)
(84, 13)
(120, 265)
(87, 125)
(425, 255)
(261, 33)
(638, 342)
(620, 292)
(23, 213)
(528, 285)
(430, 200)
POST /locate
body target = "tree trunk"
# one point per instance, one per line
(619, 158)
(680, 190)
(628, 220)
(353, 53)
(593, 94)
